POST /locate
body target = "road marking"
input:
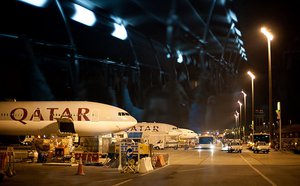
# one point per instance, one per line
(157, 169)
(256, 170)
(204, 159)
(188, 170)
(121, 183)
(116, 179)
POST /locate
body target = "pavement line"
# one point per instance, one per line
(204, 159)
(188, 170)
(256, 170)
(157, 169)
(121, 183)
(116, 179)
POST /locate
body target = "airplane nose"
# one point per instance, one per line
(128, 124)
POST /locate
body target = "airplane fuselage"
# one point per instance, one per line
(40, 117)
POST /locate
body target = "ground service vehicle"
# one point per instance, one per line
(261, 146)
(262, 137)
(235, 147)
(161, 144)
(206, 142)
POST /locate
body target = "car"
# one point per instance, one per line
(261, 146)
(224, 147)
(235, 147)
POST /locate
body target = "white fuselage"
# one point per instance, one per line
(187, 134)
(153, 128)
(42, 117)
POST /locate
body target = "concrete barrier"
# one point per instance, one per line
(145, 165)
(160, 161)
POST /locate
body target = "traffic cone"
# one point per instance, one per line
(80, 167)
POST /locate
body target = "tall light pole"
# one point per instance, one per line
(240, 118)
(236, 115)
(269, 37)
(245, 115)
(252, 106)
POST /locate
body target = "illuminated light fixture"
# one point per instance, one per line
(232, 27)
(267, 33)
(180, 58)
(119, 32)
(222, 2)
(244, 93)
(168, 56)
(238, 32)
(242, 50)
(240, 41)
(84, 16)
(251, 74)
(38, 3)
(233, 16)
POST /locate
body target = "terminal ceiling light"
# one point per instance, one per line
(240, 41)
(238, 32)
(84, 16)
(179, 58)
(119, 32)
(243, 55)
(242, 50)
(232, 30)
(222, 2)
(38, 3)
(233, 16)
(168, 56)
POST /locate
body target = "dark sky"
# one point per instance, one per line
(282, 18)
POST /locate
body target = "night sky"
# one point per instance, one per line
(282, 19)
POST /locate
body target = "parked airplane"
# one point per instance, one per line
(187, 134)
(59, 117)
(154, 133)
(153, 128)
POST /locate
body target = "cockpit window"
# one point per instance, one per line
(123, 114)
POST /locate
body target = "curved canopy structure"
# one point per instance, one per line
(87, 49)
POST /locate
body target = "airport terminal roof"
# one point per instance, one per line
(155, 30)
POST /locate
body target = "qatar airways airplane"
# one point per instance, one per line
(62, 117)
(187, 134)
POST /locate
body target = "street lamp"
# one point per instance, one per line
(269, 37)
(252, 110)
(245, 116)
(240, 118)
(236, 115)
